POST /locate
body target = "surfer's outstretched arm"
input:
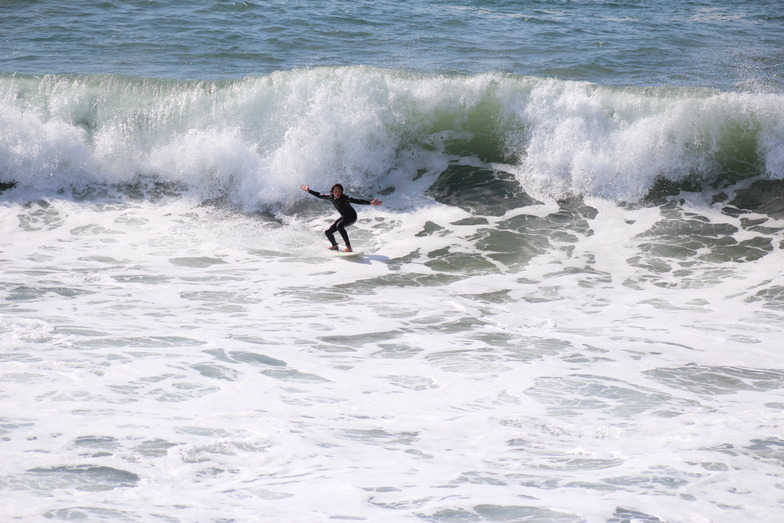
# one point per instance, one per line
(374, 201)
(306, 188)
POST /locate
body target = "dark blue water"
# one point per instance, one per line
(721, 44)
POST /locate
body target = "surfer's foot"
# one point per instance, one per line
(334, 248)
(347, 249)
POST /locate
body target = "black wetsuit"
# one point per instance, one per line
(348, 216)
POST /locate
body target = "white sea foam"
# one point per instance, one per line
(159, 355)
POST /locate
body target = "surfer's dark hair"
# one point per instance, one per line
(336, 186)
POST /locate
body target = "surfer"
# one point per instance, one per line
(348, 216)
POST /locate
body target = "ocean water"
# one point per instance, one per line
(569, 308)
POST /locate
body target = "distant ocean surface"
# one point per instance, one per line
(569, 308)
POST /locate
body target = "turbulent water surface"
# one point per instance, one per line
(569, 308)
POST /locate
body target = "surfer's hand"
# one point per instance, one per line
(305, 187)
(375, 201)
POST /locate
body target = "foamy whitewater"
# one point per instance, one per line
(569, 308)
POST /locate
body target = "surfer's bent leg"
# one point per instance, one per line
(331, 233)
(344, 234)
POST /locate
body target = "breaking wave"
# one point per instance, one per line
(249, 141)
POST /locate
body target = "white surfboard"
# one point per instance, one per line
(347, 254)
